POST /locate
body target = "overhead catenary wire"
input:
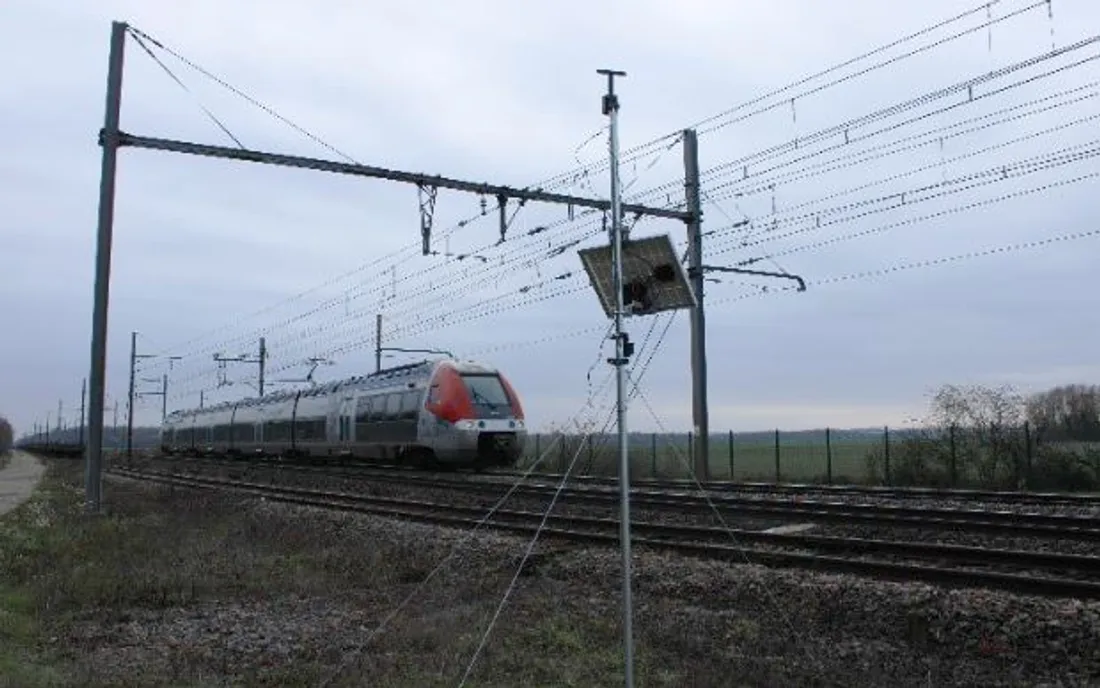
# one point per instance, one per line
(699, 125)
(411, 311)
(659, 140)
(921, 264)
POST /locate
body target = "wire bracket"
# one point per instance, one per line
(628, 350)
(426, 196)
(743, 271)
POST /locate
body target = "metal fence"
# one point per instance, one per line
(991, 457)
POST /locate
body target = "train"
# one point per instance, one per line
(433, 414)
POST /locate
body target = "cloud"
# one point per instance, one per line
(506, 93)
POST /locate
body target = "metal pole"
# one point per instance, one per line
(611, 109)
(378, 342)
(97, 378)
(130, 403)
(202, 398)
(83, 394)
(263, 357)
(699, 411)
(164, 399)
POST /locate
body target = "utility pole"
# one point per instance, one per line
(699, 409)
(130, 403)
(59, 424)
(263, 358)
(163, 394)
(114, 426)
(83, 393)
(202, 395)
(134, 356)
(611, 110)
(164, 404)
(109, 139)
(378, 342)
(243, 358)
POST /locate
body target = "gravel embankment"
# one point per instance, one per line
(697, 622)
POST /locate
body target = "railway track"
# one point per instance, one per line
(1036, 573)
(1006, 497)
(1039, 525)
(872, 491)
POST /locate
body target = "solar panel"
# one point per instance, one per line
(653, 278)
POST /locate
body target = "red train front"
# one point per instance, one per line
(473, 416)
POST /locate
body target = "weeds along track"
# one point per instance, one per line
(1049, 574)
(1078, 532)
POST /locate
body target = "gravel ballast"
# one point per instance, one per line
(282, 595)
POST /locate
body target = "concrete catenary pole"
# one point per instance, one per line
(699, 411)
(93, 479)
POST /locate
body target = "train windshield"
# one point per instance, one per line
(488, 395)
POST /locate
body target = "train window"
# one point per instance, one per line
(410, 403)
(310, 430)
(487, 394)
(378, 407)
(362, 409)
(393, 406)
(243, 432)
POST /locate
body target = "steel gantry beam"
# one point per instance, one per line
(415, 178)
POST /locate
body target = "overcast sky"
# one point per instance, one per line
(506, 92)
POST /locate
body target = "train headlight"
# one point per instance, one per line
(466, 425)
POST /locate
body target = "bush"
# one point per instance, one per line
(1055, 468)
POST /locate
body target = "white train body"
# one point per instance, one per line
(434, 413)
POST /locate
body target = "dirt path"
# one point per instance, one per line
(18, 480)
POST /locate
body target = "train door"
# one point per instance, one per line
(347, 424)
(429, 423)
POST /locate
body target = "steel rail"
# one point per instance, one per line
(711, 542)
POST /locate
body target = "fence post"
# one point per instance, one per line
(691, 453)
(653, 454)
(731, 456)
(886, 453)
(828, 456)
(777, 472)
(1027, 455)
(954, 458)
(561, 454)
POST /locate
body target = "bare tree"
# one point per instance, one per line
(1066, 413)
(7, 436)
(972, 434)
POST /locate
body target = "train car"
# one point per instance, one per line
(434, 413)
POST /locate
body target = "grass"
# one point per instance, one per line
(224, 590)
(176, 587)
